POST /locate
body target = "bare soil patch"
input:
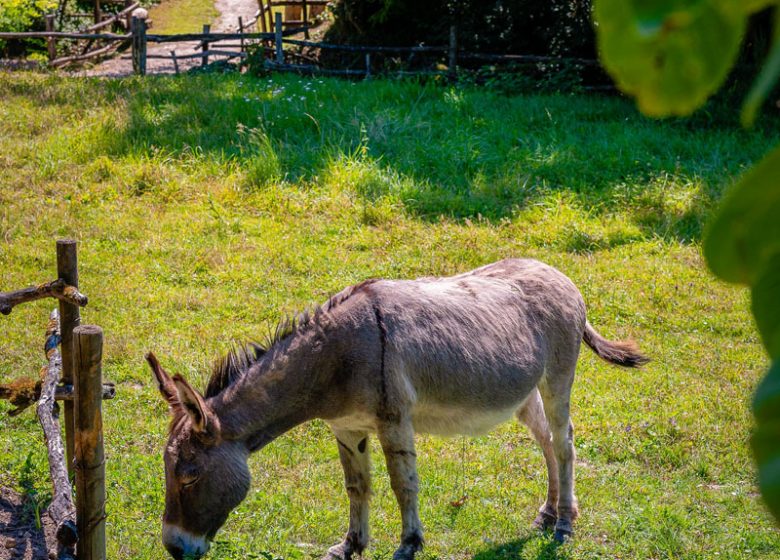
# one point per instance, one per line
(20, 538)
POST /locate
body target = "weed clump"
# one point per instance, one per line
(262, 166)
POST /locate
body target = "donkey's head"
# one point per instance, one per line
(206, 475)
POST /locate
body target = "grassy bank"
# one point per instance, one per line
(208, 206)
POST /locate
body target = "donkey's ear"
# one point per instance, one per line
(164, 381)
(204, 421)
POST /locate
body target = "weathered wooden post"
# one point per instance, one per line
(305, 18)
(261, 17)
(278, 38)
(70, 318)
(368, 66)
(50, 44)
(138, 25)
(61, 509)
(452, 67)
(175, 62)
(98, 15)
(204, 60)
(129, 17)
(90, 461)
(134, 42)
(241, 31)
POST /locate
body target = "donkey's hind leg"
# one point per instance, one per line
(556, 394)
(531, 413)
(355, 459)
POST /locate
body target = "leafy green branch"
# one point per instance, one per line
(672, 55)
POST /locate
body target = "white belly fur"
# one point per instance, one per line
(450, 420)
(429, 418)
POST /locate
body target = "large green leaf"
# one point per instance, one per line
(766, 305)
(670, 54)
(766, 406)
(745, 233)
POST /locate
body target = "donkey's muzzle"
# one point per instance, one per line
(181, 544)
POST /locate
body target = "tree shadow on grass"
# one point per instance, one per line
(20, 538)
(512, 550)
(438, 150)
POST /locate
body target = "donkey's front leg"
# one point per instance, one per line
(355, 459)
(397, 439)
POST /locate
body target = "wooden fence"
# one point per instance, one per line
(271, 46)
(73, 376)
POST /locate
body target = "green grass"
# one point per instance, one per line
(208, 206)
(181, 16)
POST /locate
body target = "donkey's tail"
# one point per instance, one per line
(621, 353)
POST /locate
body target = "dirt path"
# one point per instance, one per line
(229, 12)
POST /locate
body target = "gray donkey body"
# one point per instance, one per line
(446, 356)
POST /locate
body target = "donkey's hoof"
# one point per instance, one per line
(409, 546)
(544, 521)
(563, 531)
(338, 552)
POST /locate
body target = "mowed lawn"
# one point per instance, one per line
(207, 207)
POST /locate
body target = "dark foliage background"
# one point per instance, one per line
(544, 27)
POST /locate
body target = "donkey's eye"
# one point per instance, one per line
(189, 482)
(189, 478)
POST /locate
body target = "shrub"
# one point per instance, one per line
(22, 15)
(544, 27)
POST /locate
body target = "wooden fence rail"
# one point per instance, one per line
(366, 48)
(64, 35)
(271, 42)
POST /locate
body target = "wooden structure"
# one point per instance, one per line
(73, 375)
(273, 42)
(88, 49)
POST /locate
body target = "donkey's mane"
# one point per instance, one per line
(233, 366)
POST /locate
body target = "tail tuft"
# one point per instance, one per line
(621, 353)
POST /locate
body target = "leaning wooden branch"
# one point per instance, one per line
(61, 510)
(57, 289)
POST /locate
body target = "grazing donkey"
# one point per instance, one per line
(391, 357)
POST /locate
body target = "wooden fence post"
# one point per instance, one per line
(452, 67)
(50, 44)
(70, 318)
(305, 18)
(368, 66)
(90, 459)
(138, 26)
(98, 15)
(261, 17)
(204, 46)
(129, 20)
(241, 30)
(175, 62)
(278, 38)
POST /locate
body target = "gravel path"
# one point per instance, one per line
(121, 65)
